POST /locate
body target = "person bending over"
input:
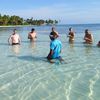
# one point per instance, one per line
(55, 48)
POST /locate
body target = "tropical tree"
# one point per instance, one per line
(1, 21)
(16, 20)
(5, 19)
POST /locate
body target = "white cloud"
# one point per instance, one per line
(63, 12)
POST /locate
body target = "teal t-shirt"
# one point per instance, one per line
(56, 46)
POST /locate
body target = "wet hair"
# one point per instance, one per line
(53, 36)
(14, 30)
(53, 28)
(32, 29)
(70, 28)
(86, 31)
(99, 42)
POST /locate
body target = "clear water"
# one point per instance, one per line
(25, 73)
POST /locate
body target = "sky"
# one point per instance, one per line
(65, 11)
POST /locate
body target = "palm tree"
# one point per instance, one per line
(5, 19)
(16, 20)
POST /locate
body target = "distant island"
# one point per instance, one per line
(16, 20)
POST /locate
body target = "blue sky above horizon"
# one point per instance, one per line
(67, 11)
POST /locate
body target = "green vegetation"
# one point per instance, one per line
(16, 20)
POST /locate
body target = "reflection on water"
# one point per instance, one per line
(32, 45)
(88, 48)
(71, 45)
(16, 49)
(29, 76)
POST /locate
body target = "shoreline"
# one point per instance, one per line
(49, 25)
(16, 25)
(23, 25)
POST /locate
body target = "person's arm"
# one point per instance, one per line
(60, 47)
(84, 37)
(51, 51)
(49, 57)
(68, 35)
(72, 35)
(50, 54)
(35, 34)
(19, 40)
(92, 38)
(29, 36)
(89, 39)
(57, 34)
(9, 40)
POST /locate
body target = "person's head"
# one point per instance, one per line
(54, 36)
(14, 31)
(53, 29)
(99, 42)
(70, 29)
(32, 29)
(86, 31)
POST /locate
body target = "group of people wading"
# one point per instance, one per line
(55, 43)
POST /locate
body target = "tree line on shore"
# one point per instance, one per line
(16, 20)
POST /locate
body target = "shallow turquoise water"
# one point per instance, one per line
(25, 73)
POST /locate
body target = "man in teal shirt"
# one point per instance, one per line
(55, 48)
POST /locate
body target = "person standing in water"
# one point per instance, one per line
(14, 39)
(71, 35)
(32, 35)
(88, 37)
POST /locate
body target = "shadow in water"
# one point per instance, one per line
(32, 58)
(28, 41)
(32, 45)
(16, 49)
(42, 41)
(4, 44)
(25, 41)
(88, 48)
(38, 59)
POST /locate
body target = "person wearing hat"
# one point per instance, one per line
(55, 48)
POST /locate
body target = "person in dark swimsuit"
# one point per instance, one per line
(88, 37)
(14, 39)
(71, 35)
